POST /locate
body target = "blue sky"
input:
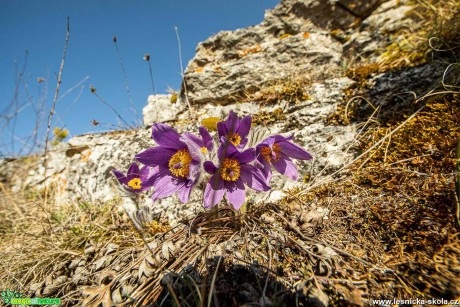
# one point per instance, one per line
(141, 27)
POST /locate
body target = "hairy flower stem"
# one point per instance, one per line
(244, 208)
(139, 231)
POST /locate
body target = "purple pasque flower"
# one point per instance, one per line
(278, 150)
(136, 181)
(176, 162)
(230, 176)
(235, 129)
(205, 142)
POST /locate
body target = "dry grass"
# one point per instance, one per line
(220, 256)
(437, 30)
(38, 245)
(397, 203)
(434, 36)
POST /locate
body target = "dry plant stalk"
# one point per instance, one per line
(184, 81)
(56, 95)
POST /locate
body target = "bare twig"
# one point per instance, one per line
(125, 77)
(15, 118)
(9, 114)
(56, 95)
(93, 91)
(184, 81)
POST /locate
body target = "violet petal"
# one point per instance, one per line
(236, 193)
(232, 123)
(246, 156)
(166, 186)
(144, 171)
(265, 167)
(155, 156)
(120, 176)
(222, 130)
(206, 137)
(194, 171)
(209, 167)
(245, 126)
(294, 151)
(166, 136)
(226, 149)
(156, 174)
(193, 147)
(286, 167)
(280, 138)
(193, 138)
(254, 178)
(133, 171)
(214, 191)
(184, 193)
(148, 176)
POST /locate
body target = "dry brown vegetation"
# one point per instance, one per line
(396, 205)
(39, 240)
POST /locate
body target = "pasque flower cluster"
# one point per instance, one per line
(227, 165)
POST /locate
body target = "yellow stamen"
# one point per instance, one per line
(179, 163)
(266, 153)
(135, 183)
(204, 150)
(230, 170)
(234, 138)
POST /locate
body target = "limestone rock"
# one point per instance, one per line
(287, 44)
(159, 109)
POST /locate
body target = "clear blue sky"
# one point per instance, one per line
(141, 27)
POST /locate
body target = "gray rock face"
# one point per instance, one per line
(287, 44)
(81, 168)
(160, 109)
(293, 41)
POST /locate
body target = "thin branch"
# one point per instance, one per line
(182, 70)
(125, 77)
(93, 91)
(56, 95)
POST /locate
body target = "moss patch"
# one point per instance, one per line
(266, 118)
(290, 90)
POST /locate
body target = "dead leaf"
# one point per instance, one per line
(145, 269)
(101, 294)
(167, 249)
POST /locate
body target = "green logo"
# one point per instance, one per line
(8, 295)
(15, 298)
